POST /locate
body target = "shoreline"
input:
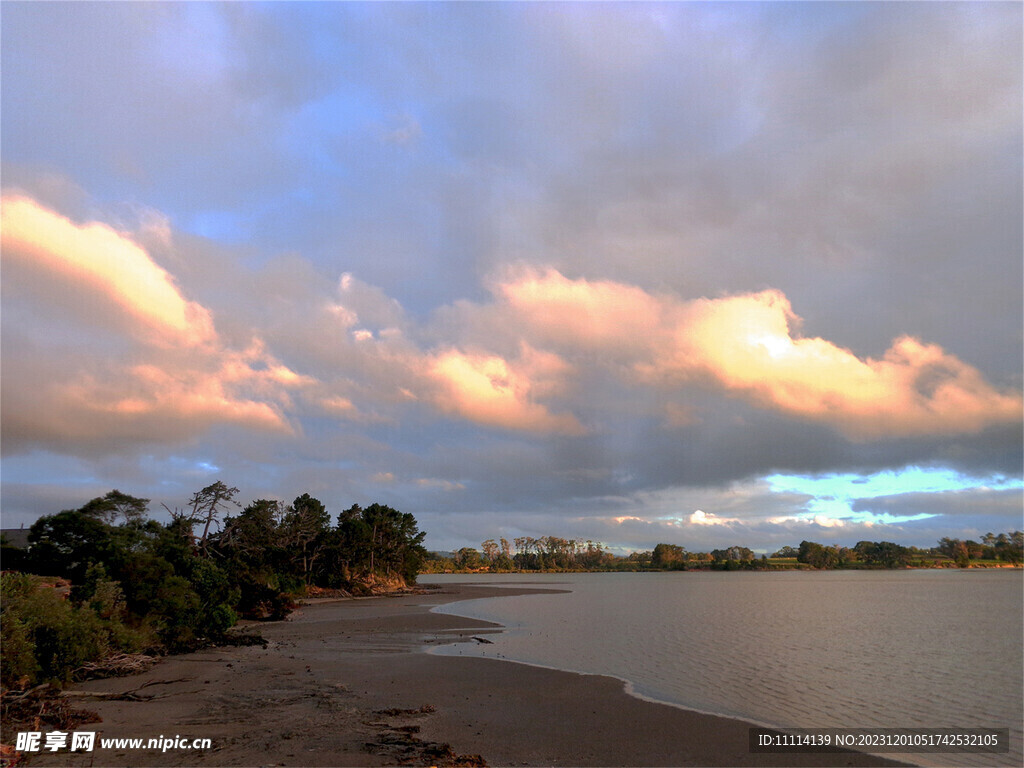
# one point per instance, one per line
(347, 683)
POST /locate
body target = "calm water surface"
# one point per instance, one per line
(918, 648)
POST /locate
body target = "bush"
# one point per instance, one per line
(18, 665)
(46, 637)
(220, 619)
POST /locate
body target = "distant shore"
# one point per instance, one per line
(345, 683)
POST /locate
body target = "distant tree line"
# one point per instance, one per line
(1005, 548)
(550, 553)
(547, 553)
(136, 584)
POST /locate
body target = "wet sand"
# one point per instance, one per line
(346, 683)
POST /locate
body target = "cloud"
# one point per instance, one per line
(582, 314)
(248, 387)
(954, 507)
(439, 484)
(164, 375)
(490, 390)
(94, 258)
(669, 177)
(822, 521)
(700, 517)
(747, 345)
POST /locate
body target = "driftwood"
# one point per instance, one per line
(126, 696)
(13, 696)
(482, 640)
(115, 666)
(163, 682)
(43, 704)
(400, 744)
(132, 695)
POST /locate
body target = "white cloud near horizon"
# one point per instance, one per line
(700, 517)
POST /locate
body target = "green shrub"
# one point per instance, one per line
(48, 636)
(18, 665)
(220, 619)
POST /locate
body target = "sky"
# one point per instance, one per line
(707, 274)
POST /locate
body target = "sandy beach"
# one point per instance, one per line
(346, 683)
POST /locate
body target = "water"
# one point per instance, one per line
(919, 648)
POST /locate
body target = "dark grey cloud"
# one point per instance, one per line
(998, 507)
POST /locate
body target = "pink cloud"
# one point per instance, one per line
(164, 375)
(491, 390)
(748, 345)
(583, 313)
(94, 258)
(746, 342)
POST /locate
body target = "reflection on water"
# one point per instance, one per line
(852, 649)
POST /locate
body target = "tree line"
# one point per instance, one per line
(551, 553)
(530, 554)
(137, 584)
(1005, 548)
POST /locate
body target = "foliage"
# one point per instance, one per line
(378, 541)
(137, 583)
(819, 556)
(1006, 547)
(735, 554)
(669, 556)
(64, 544)
(883, 553)
(115, 505)
(46, 637)
(206, 508)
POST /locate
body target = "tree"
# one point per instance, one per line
(490, 548)
(818, 556)
(503, 561)
(668, 556)
(378, 540)
(527, 554)
(66, 543)
(206, 507)
(732, 555)
(468, 558)
(253, 538)
(787, 551)
(1010, 548)
(883, 553)
(595, 556)
(351, 550)
(948, 546)
(961, 554)
(13, 557)
(306, 527)
(114, 505)
(255, 555)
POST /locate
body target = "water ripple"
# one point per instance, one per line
(836, 649)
